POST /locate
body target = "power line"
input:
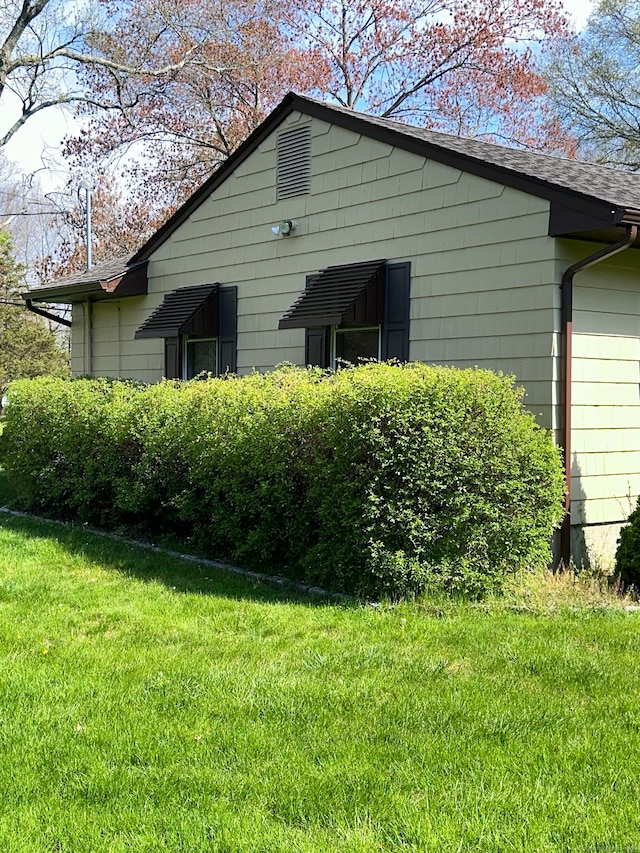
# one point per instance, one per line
(32, 212)
(18, 198)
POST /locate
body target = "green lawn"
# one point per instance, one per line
(150, 706)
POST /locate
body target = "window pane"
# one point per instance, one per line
(355, 344)
(201, 356)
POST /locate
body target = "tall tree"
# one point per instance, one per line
(43, 45)
(27, 347)
(421, 61)
(243, 60)
(466, 67)
(593, 84)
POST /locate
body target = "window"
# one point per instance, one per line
(354, 311)
(200, 356)
(355, 343)
(199, 327)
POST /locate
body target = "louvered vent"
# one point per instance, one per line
(294, 162)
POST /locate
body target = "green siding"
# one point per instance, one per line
(482, 265)
(605, 434)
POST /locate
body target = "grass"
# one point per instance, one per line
(147, 705)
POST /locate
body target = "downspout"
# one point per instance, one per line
(88, 316)
(566, 330)
(47, 314)
(87, 354)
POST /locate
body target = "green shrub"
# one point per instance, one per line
(627, 569)
(68, 445)
(427, 472)
(377, 480)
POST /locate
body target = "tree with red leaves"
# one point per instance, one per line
(468, 68)
(455, 65)
(120, 223)
(172, 131)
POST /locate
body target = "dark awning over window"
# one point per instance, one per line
(188, 310)
(349, 293)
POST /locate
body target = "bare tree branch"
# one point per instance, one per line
(593, 84)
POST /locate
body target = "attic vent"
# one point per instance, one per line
(294, 162)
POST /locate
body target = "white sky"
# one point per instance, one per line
(36, 146)
(579, 10)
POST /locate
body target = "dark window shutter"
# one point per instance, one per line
(228, 333)
(316, 347)
(172, 358)
(395, 329)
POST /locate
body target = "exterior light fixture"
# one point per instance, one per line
(284, 228)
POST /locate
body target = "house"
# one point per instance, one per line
(333, 234)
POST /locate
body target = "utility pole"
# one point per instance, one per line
(84, 187)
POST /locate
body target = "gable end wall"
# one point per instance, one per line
(484, 290)
(482, 265)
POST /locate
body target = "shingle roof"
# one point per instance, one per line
(103, 272)
(101, 280)
(590, 179)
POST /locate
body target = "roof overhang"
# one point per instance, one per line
(592, 222)
(110, 280)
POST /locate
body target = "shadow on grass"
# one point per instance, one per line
(181, 575)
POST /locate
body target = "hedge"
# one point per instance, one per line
(382, 479)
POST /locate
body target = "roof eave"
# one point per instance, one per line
(66, 295)
(131, 282)
(602, 224)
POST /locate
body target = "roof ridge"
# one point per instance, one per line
(403, 126)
